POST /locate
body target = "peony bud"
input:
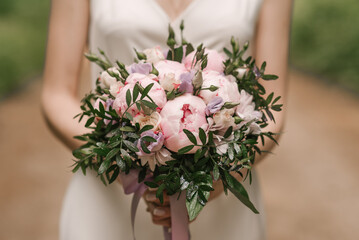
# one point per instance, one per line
(198, 80)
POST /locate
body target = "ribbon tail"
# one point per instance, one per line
(134, 204)
(167, 233)
(179, 218)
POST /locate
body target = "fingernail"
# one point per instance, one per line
(159, 212)
(150, 197)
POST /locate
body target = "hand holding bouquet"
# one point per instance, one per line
(177, 120)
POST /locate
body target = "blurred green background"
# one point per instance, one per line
(324, 41)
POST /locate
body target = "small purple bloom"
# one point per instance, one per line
(256, 72)
(186, 82)
(214, 105)
(109, 103)
(143, 68)
(151, 146)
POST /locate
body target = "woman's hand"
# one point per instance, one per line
(161, 213)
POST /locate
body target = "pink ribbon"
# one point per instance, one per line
(179, 218)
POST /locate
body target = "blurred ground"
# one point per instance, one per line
(310, 185)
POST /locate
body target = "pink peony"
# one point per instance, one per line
(215, 61)
(227, 87)
(184, 112)
(157, 93)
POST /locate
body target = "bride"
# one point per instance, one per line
(90, 209)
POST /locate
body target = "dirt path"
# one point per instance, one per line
(310, 185)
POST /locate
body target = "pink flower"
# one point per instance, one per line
(169, 74)
(215, 60)
(184, 112)
(227, 87)
(156, 93)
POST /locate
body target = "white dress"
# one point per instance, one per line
(92, 211)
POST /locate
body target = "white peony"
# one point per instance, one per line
(246, 111)
(222, 120)
(154, 119)
(106, 80)
(169, 82)
(154, 55)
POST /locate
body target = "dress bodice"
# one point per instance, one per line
(118, 26)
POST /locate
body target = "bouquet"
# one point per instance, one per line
(177, 119)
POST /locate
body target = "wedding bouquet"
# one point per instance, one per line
(177, 119)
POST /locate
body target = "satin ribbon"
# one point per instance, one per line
(179, 218)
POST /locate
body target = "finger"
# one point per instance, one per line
(161, 212)
(163, 222)
(151, 197)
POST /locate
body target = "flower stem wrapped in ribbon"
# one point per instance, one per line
(177, 120)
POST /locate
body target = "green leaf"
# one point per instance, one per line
(151, 184)
(230, 151)
(149, 104)
(89, 121)
(229, 178)
(100, 151)
(146, 90)
(104, 166)
(190, 136)
(127, 129)
(128, 97)
(160, 177)
(129, 116)
(159, 192)
(185, 149)
(130, 146)
(250, 141)
(189, 49)
(236, 148)
(197, 155)
(136, 91)
(210, 138)
(228, 132)
(145, 128)
(240, 192)
(125, 154)
(227, 52)
(269, 98)
(202, 136)
(114, 176)
(112, 153)
(276, 99)
(269, 77)
(120, 163)
(206, 188)
(215, 172)
(277, 108)
(194, 205)
(144, 147)
(178, 54)
(148, 139)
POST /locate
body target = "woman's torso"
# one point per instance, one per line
(118, 26)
